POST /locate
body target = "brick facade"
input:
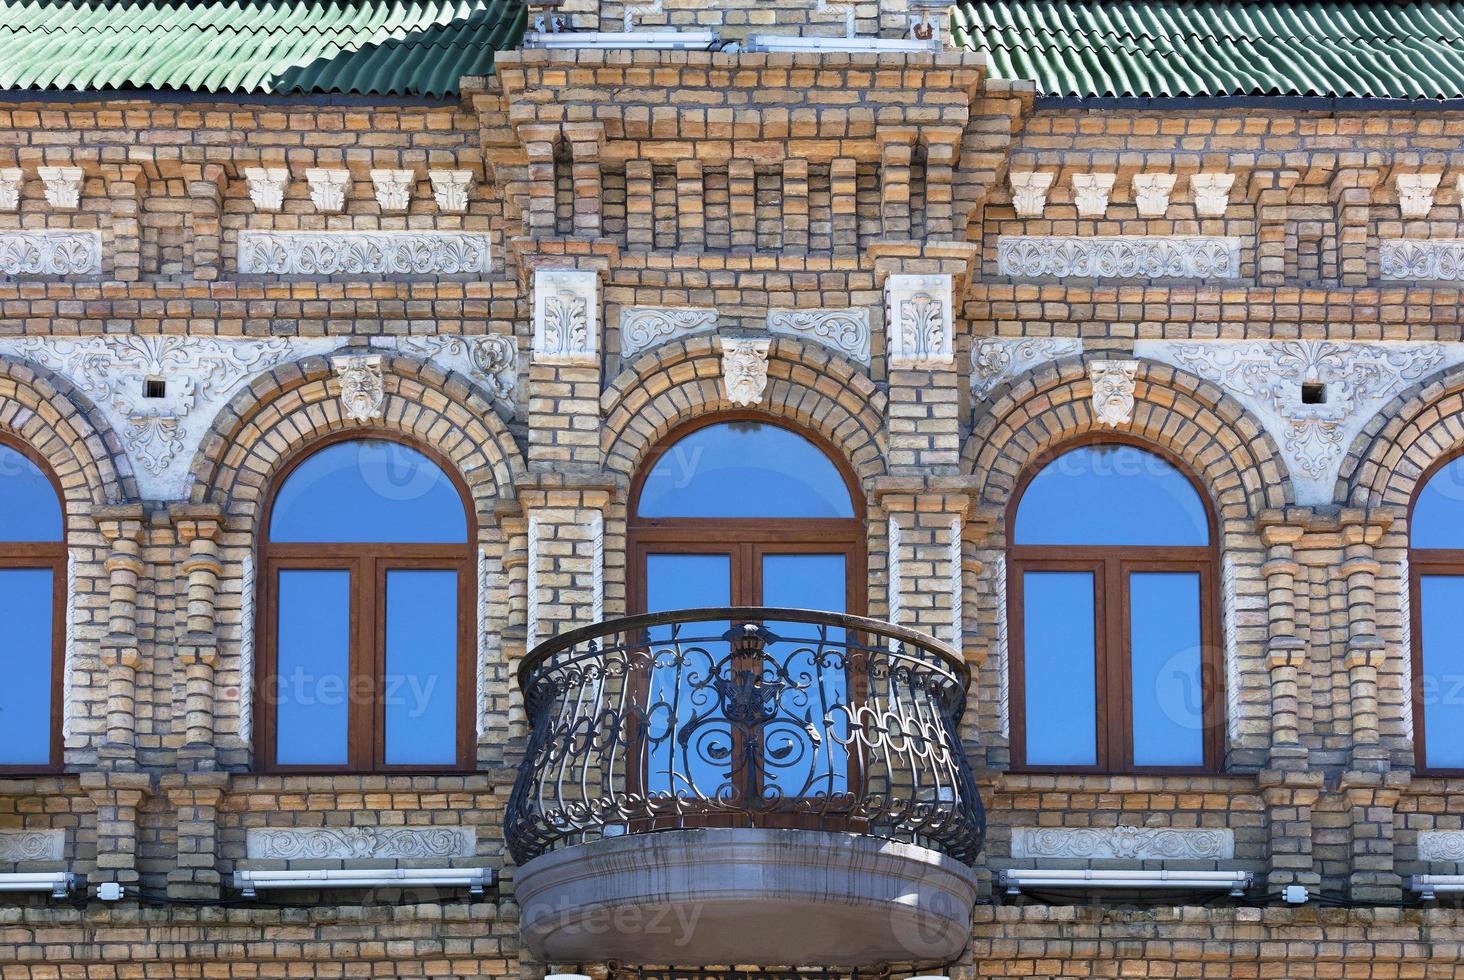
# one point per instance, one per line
(743, 184)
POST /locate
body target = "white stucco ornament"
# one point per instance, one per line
(63, 186)
(363, 387)
(745, 369)
(267, 187)
(919, 322)
(450, 188)
(11, 180)
(1090, 193)
(1212, 194)
(1416, 194)
(393, 188)
(328, 188)
(1029, 192)
(1151, 194)
(1113, 391)
(567, 316)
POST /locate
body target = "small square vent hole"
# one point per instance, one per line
(154, 388)
(1313, 393)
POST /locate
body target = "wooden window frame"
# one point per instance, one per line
(54, 556)
(367, 565)
(746, 540)
(1112, 566)
(1425, 561)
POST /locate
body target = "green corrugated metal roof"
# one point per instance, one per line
(369, 48)
(1116, 48)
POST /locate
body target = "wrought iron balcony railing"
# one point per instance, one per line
(744, 717)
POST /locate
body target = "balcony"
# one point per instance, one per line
(745, 785)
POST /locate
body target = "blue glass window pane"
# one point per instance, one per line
(1061, 671)
(679, 690)
(812, 657)
(1438, 514)
(421, 667)
(1115, 494)
(1442, 615)
(369, 490)
(744, 469)
(29, 507)
(26, 659)
(314, 668)
(1168, 695)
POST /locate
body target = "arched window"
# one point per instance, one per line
(33, 609)
(743, 512)
(367, 596)
(1436, 570)
(1115, 662)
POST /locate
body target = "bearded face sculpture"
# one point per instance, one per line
(745, 369)
(363, 388)
(1113, 390)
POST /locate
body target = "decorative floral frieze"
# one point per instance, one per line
(1090, 193)
(1119, 256)
(567, 316)
(359, 843)
(1413, 260)
(1113, 391)
(1441, 846)
(50, 253)
(11, 181)
(1313, 396)
(745, 369)
(1416, 193)
(1123, 843)
(1029, 192)
(328, 188)
(267, 186)
(393, 188)
(32, 845)
(846, 331)
(1212, 194)
(644, 327)
(363, 385)
(996, 359)
(158, 392)
(919, 322)
(491, 360)
(363, 253)
(450, 189)
(1151, 194)
(63, 186)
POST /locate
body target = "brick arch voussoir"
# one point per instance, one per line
(294, 405)
(1421, 425)
(1227, 448)
(56, 419)
(808, 385)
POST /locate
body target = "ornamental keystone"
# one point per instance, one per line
(1029, 192)
(267, 187)
(63, 186)
(1113, 391)
(567, 316)
(919, 323)
(450, 188)
(1212, 194)
(328, 188)
(745, 369)
(1151, 194)
(393, 188)
(363, 387)
(1416, 194)
(1090, 193)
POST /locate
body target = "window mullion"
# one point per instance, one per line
(366, 705)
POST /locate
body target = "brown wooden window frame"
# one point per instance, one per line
(368, 565)
(1425, 561)
(52, 555)
(1112, 566)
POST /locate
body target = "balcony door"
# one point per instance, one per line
(743, 512)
